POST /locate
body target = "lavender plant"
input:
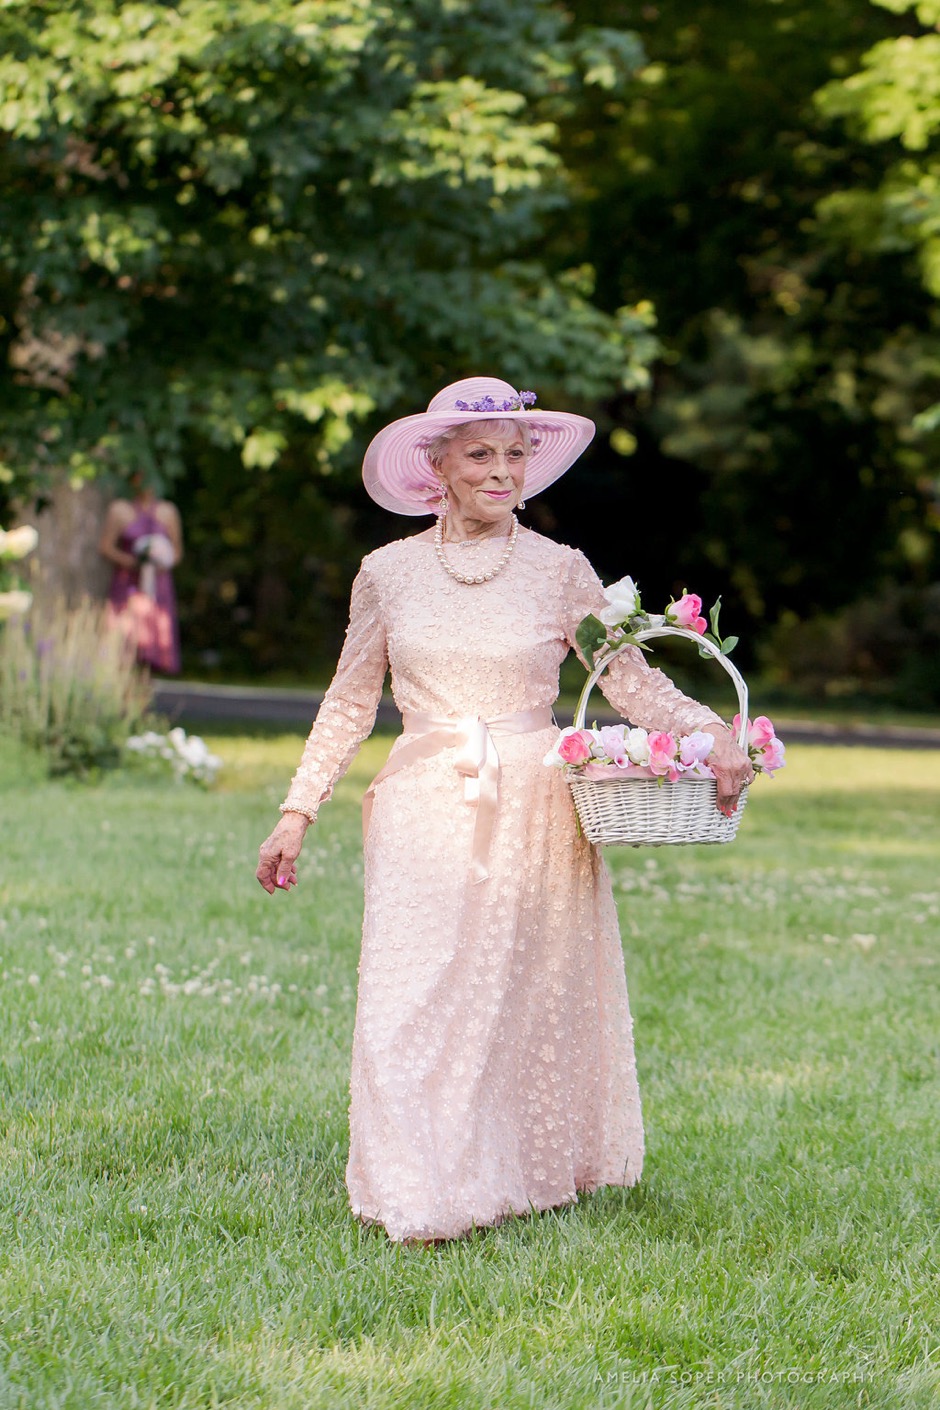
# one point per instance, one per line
(69, 687)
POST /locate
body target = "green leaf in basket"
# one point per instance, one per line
(713, 619)
(591, 636)
(727, 646)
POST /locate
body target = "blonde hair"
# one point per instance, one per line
(500, 426)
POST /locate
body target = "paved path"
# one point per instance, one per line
(189, 702)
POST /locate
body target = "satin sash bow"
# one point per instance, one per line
(477, 761)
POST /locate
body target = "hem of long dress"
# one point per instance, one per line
(437, 1231)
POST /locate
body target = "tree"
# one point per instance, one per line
(253, 224)
(795, 361)
(892, 102)
(238, 235)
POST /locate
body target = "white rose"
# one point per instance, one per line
(637, 742)
(623, 600)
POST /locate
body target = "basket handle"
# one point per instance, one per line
(606, 656)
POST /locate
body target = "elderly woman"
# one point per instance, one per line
(493, 1069)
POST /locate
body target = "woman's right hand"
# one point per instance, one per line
(277, 870)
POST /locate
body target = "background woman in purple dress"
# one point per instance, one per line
(143, 538)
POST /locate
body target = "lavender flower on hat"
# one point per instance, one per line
(516, 403)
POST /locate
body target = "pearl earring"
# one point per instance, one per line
(521, 504)
(442, 506)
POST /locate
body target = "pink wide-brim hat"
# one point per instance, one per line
(396, 470)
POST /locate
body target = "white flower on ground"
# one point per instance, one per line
(187, 755)
(142, 743)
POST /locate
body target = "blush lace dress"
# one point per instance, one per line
(493, 1069)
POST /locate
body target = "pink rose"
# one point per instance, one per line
(771, 757)
(695, 748)
(693, 751)
(760, 733)
(613, 744)
(575, 747)
(687, 613)
(764, 748)
(662, 759)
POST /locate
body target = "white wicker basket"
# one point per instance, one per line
(641, 812)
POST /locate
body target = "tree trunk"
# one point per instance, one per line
(67, 565)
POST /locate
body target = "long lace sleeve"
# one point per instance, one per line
(347, 712)
(638, 691)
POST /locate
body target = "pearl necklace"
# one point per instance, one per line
(479, 577)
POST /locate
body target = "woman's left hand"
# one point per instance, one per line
(732, 769)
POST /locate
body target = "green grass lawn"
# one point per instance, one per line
(175, 1049)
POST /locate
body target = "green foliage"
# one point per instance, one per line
(247, 226)
(70, 688)
(884, 649)
(236, 238)
(788, 417)
(591, 636)
(894, 99)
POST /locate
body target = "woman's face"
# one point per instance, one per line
(484, 475)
